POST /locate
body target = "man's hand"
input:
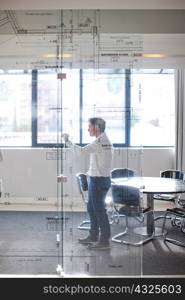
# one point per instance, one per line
(65, 136)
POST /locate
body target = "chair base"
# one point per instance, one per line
(179, 215)
(175, 242)
(161, 217)
(116, 239)
(143, 231)
(82, 226)
(145, 237)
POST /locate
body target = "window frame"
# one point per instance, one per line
(61, 145)
(34, 112)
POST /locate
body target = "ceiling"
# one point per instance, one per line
(95, 4)
(43, 39)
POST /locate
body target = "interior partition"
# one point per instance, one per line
(58, 69)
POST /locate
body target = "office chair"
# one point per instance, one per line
(83, 189)
(127, 202)
(173, 198)
(177, 216)
(120, 173)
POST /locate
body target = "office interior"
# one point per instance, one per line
(58, 67)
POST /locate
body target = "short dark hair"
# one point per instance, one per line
(98, 121)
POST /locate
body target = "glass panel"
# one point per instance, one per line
(57, 97)
(28, 224)
(153, 109)
(15, 107)
(70, 104)
(48, 110)
(104, 96)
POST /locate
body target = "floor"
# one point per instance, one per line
(41, 251)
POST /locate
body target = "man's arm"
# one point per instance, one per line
(90, 148)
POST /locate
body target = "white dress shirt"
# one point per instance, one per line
(101, 152)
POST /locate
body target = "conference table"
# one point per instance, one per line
(151, 186)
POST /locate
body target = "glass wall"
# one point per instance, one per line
(15, 107)
(143, 108)
(58, 100)
(153, 107)
(58, 69)
(104, 96)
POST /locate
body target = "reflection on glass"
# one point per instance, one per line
(15, 107)
(104, 96)
(61, 106)
(58, 106)
(152, 109)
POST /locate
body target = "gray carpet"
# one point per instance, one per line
(28, 246)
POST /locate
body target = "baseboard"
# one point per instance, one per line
(33, 204)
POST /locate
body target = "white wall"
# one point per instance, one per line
(29, 174)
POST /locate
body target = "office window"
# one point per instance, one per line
(58, 106)
(15, 108)
(48, 108)
(138, 106)
(152, 108)
(104, 96)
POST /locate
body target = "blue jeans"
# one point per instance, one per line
(97, 190)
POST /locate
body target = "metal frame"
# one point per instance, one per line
(137, 212)
(179, 216)
(116, 238)
(174, 198)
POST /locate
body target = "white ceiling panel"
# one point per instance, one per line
(43, 39)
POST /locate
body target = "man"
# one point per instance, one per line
(99, 183)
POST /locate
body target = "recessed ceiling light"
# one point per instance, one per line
(155, 55)
(64, 55)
